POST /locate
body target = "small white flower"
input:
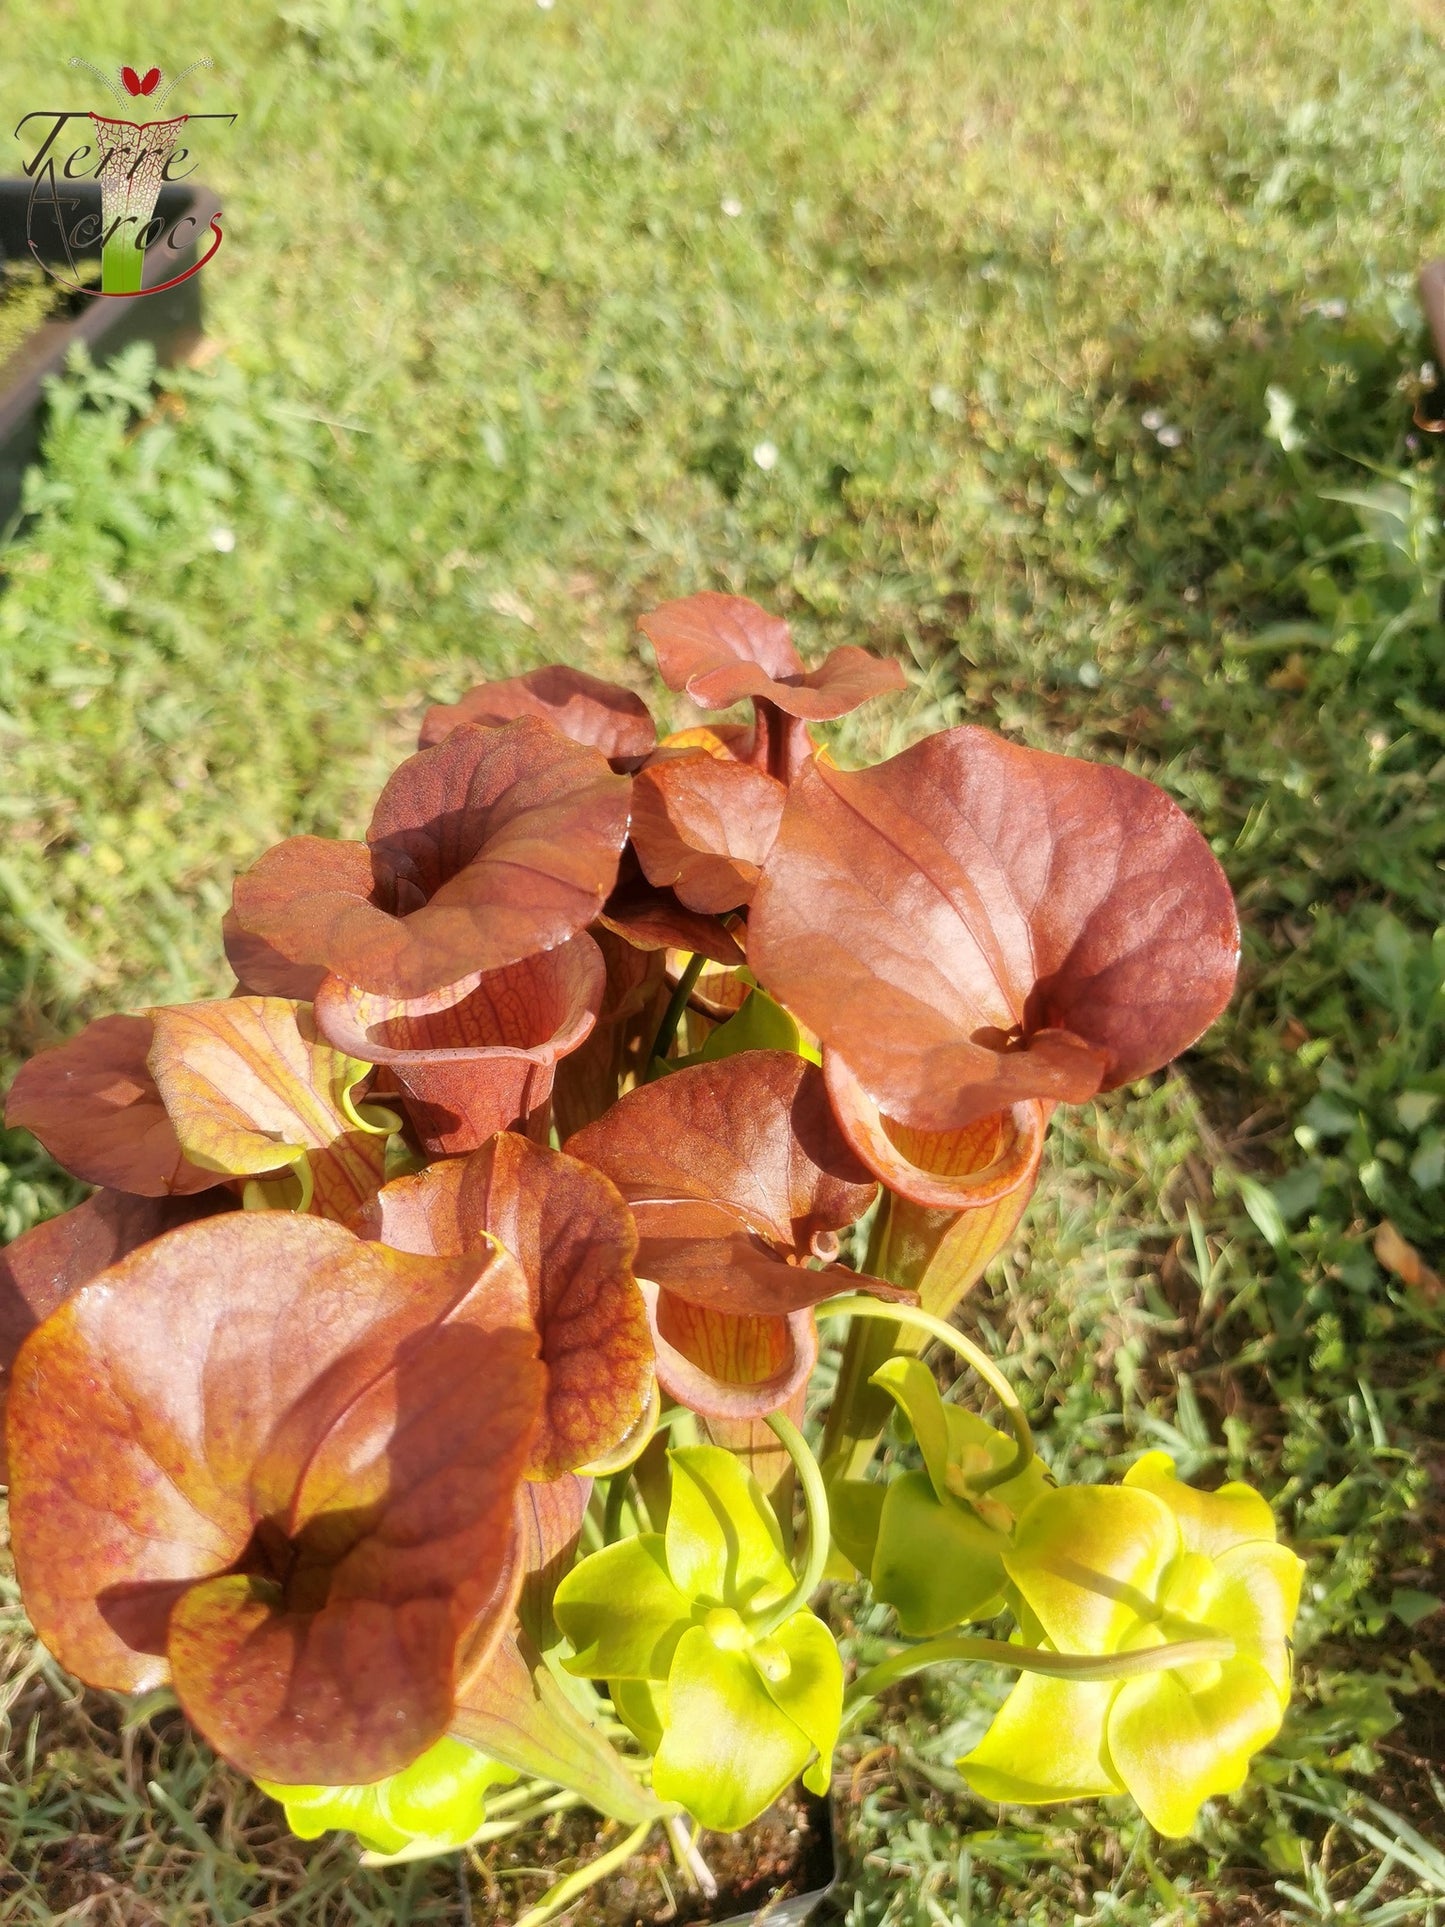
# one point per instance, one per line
(766, 456)
(1152, 419)
(731, 206)
(1282, 427)
(1169, 436)
(546, 5)
(507, 602)
(223, 540)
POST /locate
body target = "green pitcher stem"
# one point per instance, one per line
(122, 265)
(672, 1016)
(616, 1504)
(905, 1243)
(857, 1306)
(815, 1497)
(859, 1411)
(1033, 1659)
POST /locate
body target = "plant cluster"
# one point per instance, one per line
(419, 1394)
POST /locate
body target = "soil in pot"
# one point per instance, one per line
(788, 1851)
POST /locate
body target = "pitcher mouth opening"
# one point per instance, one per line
(977, 1165)
(538, 1009)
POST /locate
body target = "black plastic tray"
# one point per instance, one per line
(171, 320)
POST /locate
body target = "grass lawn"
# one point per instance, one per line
(1068, 351)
